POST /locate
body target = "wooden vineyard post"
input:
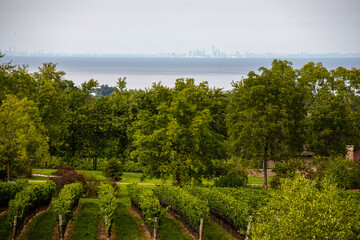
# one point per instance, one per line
(106, 231)
(14, 228)
(154, 237)
(248, 228)
(201, 228)
(60, 228)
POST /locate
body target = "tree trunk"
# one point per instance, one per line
(265, 166)
(94, 163)
(8, 172)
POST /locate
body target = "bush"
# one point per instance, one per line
(108, 204)
(114, 169)
(223, 204)
(344, 173)
(149, 204)
(67, 200)
(232, 179)
(29, 199)
(8, 191)
(254, 198)
(90, 185)
(288, 169)
(187, 205)
(305, 210)
(66, 175)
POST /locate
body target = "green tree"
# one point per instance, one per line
(304, 210)
(177, 138)
(21, 132)
(332, 106)
(266, 115)
(54, 98)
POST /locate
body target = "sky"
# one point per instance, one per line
(164, 26)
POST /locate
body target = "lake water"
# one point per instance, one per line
(142, 72)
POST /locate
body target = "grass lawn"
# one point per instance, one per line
(213, 231)
(43, 171)
(258, 180)
(125, 226)
(41, 227)
(136, 178)
(170, 229)
(86, 221)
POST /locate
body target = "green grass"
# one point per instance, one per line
(97, 174)
(86, 221)
(5, 228)
(43, 171)
(170, 229)
(136, 178)
(213, 231)
(41, 227)
(125, 226)
(258, 180)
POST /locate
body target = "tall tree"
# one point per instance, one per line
(333, 110)
(266, 115)
(178, 139)
(21, 132)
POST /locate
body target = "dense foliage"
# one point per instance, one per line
(67, 200)
(289, 169)
(8, 191)
(188, 206)
(254, 198)
(114, 169)
(108, 204)
(343, 173)
(180, 131)
(149, 204)
(231, 179)
(225, 205)
(305, 210)
(66, 175)
(29, 199)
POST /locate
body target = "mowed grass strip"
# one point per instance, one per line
(125, 226)
(171, 230)
(213, 231)
(41, 227)
(5, 228)
(84, 225)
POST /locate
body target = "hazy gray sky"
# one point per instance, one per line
(153, 26)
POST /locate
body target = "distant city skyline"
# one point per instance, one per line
(143, 27)
(195, 53)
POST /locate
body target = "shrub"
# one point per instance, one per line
(254, 198)
(149, 204)
(187, 205)
(29, 199)
(232, 179)
(8, 191)
(66, 175)
(344, 173)
(108, 204)
(114, 169)
(288, 169)
(67, 200)
(90, 185)
(305, 210)
(223, 204)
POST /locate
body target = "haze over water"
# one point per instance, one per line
(141, 73)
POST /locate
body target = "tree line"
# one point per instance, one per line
(186, 131)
